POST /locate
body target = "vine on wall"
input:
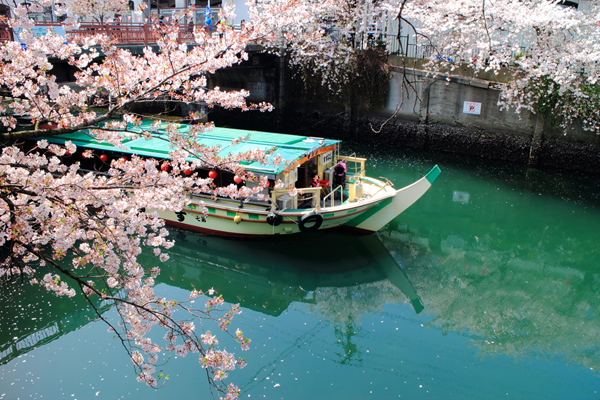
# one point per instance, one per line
(362, 84)
(562, 107)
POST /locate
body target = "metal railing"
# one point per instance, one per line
(353, 159)
(394, 44)
(405, 45)
(127, 33)
(341, 188)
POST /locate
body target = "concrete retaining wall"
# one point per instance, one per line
(429, 117)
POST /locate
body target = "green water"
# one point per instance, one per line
(487, 288)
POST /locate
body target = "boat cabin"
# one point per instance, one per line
(303, 158)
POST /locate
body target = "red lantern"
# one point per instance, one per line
(267, 183)
(68, 153)
(212, 174)
(187, 171)
(164, 166)
(48, 125)
(104, 158)
(237, 179)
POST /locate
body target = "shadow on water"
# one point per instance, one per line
(340, 278)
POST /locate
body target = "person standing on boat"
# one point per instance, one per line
(339, 177)
(315, 180)
(339, 174)
(340, 168)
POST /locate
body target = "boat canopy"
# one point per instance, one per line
(290, 148)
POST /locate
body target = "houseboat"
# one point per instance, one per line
(343, 196)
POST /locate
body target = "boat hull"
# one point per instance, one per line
(364, 204)
(222, 221)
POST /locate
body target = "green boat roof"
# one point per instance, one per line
(288, 147)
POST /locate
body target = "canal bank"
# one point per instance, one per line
(436, 112)
(553, 153)
(452, 112)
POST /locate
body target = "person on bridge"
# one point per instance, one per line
(208, 18)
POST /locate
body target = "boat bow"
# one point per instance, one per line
(376, 218)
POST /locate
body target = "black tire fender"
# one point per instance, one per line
(274, 219)
(313, 218)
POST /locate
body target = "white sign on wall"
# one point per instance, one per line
(326, 158)
(472, 108)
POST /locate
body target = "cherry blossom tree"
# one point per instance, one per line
(99, 10)
(76, 232)
(549, 53)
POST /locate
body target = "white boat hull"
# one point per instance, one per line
(381, 204)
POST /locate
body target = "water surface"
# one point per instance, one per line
(487, 288)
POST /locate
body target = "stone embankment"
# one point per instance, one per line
(552, 153)
(454, 112)
(447, 113)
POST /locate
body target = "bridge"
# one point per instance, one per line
(125, 33)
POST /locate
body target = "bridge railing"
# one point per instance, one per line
(131, 33)
(124, 33)
(6, 34)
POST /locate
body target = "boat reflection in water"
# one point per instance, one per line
(267, 276)
(264, 276)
